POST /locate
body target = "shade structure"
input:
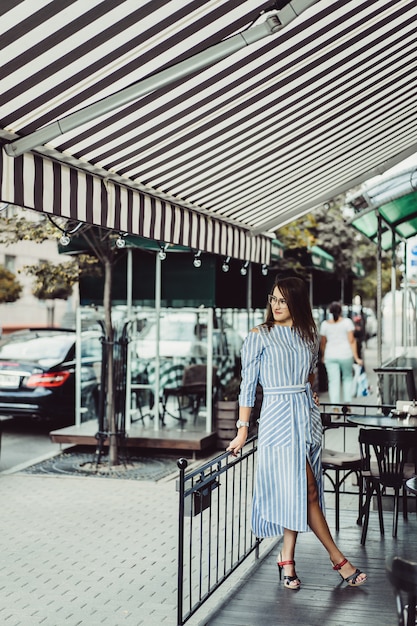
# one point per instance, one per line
(220, 158)
(399, 219)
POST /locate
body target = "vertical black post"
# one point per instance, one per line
(182, 465)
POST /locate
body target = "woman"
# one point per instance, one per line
(288, 495)
(339, 350)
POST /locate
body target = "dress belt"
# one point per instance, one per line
(292, 389)
(287, 389)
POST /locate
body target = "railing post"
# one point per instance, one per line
(182, 465)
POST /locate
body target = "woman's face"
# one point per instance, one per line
(280, 309)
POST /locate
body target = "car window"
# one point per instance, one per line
(43, 350)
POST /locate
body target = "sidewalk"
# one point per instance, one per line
(94, 551)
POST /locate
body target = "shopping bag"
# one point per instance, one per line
(362, 385)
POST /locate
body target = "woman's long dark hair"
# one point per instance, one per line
(294, 290)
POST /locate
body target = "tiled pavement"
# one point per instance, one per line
(87, 551)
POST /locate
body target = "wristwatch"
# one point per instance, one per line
(239, 424)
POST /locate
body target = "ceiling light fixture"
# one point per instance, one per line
(121, 241)
(244, 268)
(225, 266)
(65, 239)
(162, 254)
(197, 259)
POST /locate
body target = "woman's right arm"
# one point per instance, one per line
(251, 355)
(242, 433)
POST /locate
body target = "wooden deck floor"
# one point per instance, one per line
(261, 599)
(174, 435)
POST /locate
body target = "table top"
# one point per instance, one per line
(382, 421)
(411, 484)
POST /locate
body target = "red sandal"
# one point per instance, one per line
(350, 580)
(288, 579)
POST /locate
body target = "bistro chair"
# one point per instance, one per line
(337, 465)
(391, 449)
(193, 387)
(402, 575)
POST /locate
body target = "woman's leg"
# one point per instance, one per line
(346, 367)
(318, 525)
(333, 375)
(287, 554)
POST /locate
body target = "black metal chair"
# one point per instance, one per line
(193, 386)
(343, 464)
(402, 575)
(391, 449)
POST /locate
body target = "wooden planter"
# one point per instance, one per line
(226, 414)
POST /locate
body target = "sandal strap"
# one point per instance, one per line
(352, 578)
(340, 565)
(283, 563)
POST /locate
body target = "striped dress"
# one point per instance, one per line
(290, 428)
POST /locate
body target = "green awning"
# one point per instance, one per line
(277, 250)
(399, 215)
(321, 260)
(358, 270)
(312, 258)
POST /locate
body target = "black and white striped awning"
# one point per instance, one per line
(218, 159)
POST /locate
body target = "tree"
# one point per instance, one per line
(98, 243)
(10, 288)
(298, 234)
(53, 281)
(328, 228)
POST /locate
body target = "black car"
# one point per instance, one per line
(37, 375)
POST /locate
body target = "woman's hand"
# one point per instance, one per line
(316, 398)
(238, 442)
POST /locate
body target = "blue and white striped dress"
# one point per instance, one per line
(290, 428)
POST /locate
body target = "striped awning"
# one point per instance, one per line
(217, 159)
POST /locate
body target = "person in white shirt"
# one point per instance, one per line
(339, 351)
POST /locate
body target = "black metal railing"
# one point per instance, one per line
(214, 525)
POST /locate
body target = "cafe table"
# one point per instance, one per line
(411, 485)
(383, 421)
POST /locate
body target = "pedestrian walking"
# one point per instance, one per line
(339, 352)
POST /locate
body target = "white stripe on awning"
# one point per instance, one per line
(35, 182)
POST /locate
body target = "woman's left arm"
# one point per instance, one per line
(311, 378)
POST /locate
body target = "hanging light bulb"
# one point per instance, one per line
(244, 268)
(197, 260)
(162, 254)
(65, 240)
(121, 241)
(264, 270)
(225, 266)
